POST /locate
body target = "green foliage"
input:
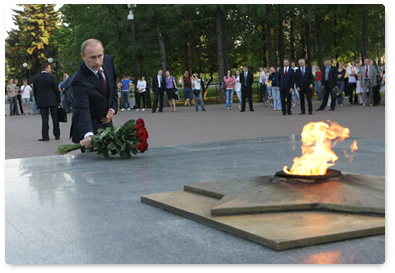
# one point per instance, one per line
(189, 34)
(32, 41)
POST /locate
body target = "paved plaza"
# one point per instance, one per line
(81, 208)
(187, 126)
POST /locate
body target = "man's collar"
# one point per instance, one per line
(94, 71)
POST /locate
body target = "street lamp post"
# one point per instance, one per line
(25, 65)
(131, 18)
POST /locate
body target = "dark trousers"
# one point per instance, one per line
(158, 94)
(308, 93)
(19, 98)
(353, 97)
(138, 98)
(286, 108)
(68, 100)
(45, 118)
(246, 93)
(262, 92)
(327, 93)
(13, 106)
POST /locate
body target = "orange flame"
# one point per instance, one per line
(353, 148)
(317, 155)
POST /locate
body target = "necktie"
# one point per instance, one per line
(286, 71)
(245, 78)
(303, 71)
(103, 82)
(367, 75)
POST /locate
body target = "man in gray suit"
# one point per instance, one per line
(368, 80)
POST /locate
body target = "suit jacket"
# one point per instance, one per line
(286, 82)
(332, 81)
(90, 103)
(372, 75)
(303, 82)
(249, 80)
(45, 90)
(155, 84)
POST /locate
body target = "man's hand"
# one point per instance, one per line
(311, 86)
(290, 90)
(278, 88)
(298, 88)
(86, 142)
(108, 117)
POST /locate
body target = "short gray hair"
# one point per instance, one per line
(301, 60)
(87, 42)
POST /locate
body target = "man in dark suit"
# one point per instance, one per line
(329, 78)
(95, 95)
(285, 83)
(47, 96)
(65, 88)
(304, 84)
(159, 88)
(246, 80)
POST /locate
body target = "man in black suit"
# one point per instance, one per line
(304, 84)
(285, 83)
(329, 78)
(95, 95)
(159, 88)
(246, 80)
(47, 96)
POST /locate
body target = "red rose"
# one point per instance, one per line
(138, 126)
(142, 146)
(141, 122)
(142, 139)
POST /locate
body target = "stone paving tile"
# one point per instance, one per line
(188, 126)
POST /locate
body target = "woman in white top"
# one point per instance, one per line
(238, 86)
(197, 92)
(141, 91)
(26, 91)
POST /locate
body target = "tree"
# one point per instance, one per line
(32, 41)
(365, 31)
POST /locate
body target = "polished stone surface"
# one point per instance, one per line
(84, 209)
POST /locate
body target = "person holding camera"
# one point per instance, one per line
(197, 92)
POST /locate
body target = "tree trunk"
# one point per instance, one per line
(162, 47)
(302, 43)
(319, 40)
(188, 50)
(225, 39)
(220, 53)
(270, 38)
(292, 34)
(162, 52)
(379, 52)
(308, 43)
(281, 45)
(264, 31)
(365, 32)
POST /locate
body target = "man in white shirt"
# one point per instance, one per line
(26, 91)
(352, 82)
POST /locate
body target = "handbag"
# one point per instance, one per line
(336, 92)
(176, 94)
(196, 92)
(62, 114)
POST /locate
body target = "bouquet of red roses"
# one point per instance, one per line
(126, 140)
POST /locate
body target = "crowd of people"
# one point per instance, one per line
(349, 80)
(94, 94)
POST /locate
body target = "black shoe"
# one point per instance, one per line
(310, 113)
(160, 111)
(43, 139)
(290, 113)
(319, 109)
(57, 138)
(196, 110)
(301, 113)
(251, 110)
(284, 114)
(332, 109)
(203, 109)
(153, 111)
(242, 110)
